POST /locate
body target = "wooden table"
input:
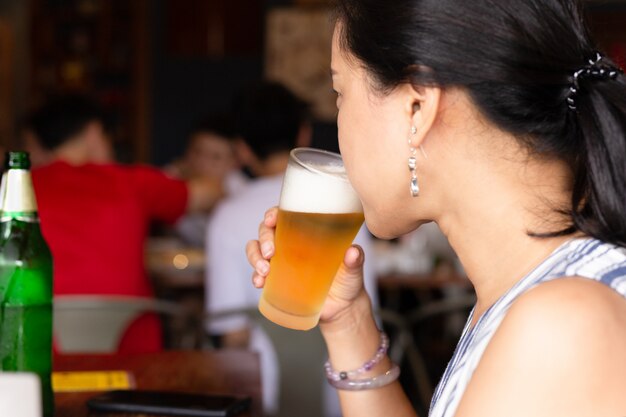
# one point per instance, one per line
(231, 372)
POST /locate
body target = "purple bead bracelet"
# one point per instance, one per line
(333, 375)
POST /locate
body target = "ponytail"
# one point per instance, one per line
(599, 193)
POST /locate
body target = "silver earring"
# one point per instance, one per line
(415, 189)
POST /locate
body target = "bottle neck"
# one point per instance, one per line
(17, 196)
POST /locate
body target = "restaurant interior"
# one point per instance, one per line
(157, 69)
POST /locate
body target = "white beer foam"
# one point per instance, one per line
(327, 191)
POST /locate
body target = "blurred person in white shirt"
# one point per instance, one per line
(270, 121)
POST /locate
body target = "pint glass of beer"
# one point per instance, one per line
(318, 217)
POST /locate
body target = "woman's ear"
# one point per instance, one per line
(422, 108)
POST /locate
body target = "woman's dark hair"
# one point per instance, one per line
(268, 117)
(517, 60)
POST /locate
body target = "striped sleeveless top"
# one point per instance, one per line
(587, 257)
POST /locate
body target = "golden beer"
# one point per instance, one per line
(318, 218)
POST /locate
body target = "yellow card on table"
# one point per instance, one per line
(91, 381)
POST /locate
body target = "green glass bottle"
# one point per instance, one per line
(25, 280)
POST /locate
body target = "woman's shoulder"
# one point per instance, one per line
(568, 314)
(560, 342)
(571, 302)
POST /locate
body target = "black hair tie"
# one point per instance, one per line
(595, 70)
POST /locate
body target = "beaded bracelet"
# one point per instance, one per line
(367, 366)
(345, 379)
(368, 383)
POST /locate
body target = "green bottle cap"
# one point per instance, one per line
(16, 160)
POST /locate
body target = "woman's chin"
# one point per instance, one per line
(388, 228)
(383, 229)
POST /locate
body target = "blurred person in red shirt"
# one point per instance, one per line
(95, 214)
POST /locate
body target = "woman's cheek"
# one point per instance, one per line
(347, 127)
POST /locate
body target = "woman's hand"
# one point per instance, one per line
(346, 324)
(347, 286)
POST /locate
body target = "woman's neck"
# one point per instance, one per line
(495, 259)
(497, 203)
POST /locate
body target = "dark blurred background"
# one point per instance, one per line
(158, 66)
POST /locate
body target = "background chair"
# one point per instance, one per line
(95, 323)
(435, 328)
(301, 356)
(404, 352)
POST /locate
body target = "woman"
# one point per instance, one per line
(513, 128)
